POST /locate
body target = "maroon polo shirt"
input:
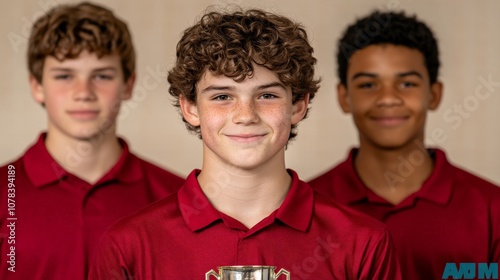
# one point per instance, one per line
(454, 217)
(60, 218)
(183, 236)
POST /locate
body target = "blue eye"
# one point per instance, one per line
(268, 96)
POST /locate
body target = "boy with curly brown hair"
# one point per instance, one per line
(243, 80)
(79, 177)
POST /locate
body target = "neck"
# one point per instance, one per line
(88, 159)
(394, 174)
(247, 195)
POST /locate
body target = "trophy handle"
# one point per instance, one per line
(283, 272)
(211, 273)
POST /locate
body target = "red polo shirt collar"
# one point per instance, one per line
(437, 188)
(295, 211)
(43, 170)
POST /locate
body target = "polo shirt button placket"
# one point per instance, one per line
(244, 248)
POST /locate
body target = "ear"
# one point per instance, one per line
(189, 111)
(129, 87)
(300, 109)
(436, 95)
(36, 90)
(343, 98)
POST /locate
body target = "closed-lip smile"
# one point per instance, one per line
(83, 114)
(389, 120)
(246, 138)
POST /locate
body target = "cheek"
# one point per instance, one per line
(360, 106)
(55, 97)
(418, 104)
(213, 114)
(280, 119)
(212, 119)
(113, 106)
(111, 98)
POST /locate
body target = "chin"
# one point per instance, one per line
(93, 132)
(244, 164)
(88, 136)
(391, 145)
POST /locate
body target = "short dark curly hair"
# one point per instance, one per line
(68, 29)
(228, 43)
(388, 28)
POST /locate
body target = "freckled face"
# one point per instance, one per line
(244, 124)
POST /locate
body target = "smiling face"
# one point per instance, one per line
(388, 94)
(244, 124)
(82, 96)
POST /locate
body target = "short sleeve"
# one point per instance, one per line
(109, 262)
(381, 261)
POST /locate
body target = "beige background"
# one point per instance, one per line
(470, 51)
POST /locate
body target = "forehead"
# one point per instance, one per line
(84, 60)
(261, 76)
(386, 58)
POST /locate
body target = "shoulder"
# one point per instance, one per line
(340, 182)
(12, 167)
(8, 165)
(19, 160)
(326, 175)
(155, 173)
(348, 219)
(149, 220)
(126, 242)
(465, 180)
(358, 236)
(345, 167)
(332, 174)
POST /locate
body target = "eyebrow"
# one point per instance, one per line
(109, 68)
(260, 87)
(399, 75)
(410, 73)
(271, 85)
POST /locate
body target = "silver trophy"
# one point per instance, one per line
(252, 272)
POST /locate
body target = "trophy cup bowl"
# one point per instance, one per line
(250, 272)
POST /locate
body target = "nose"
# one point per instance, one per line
(83, 90)
(245, 112)
(389, 96)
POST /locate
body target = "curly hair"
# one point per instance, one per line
(388, 28)
(67, 30)
(230, 43)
